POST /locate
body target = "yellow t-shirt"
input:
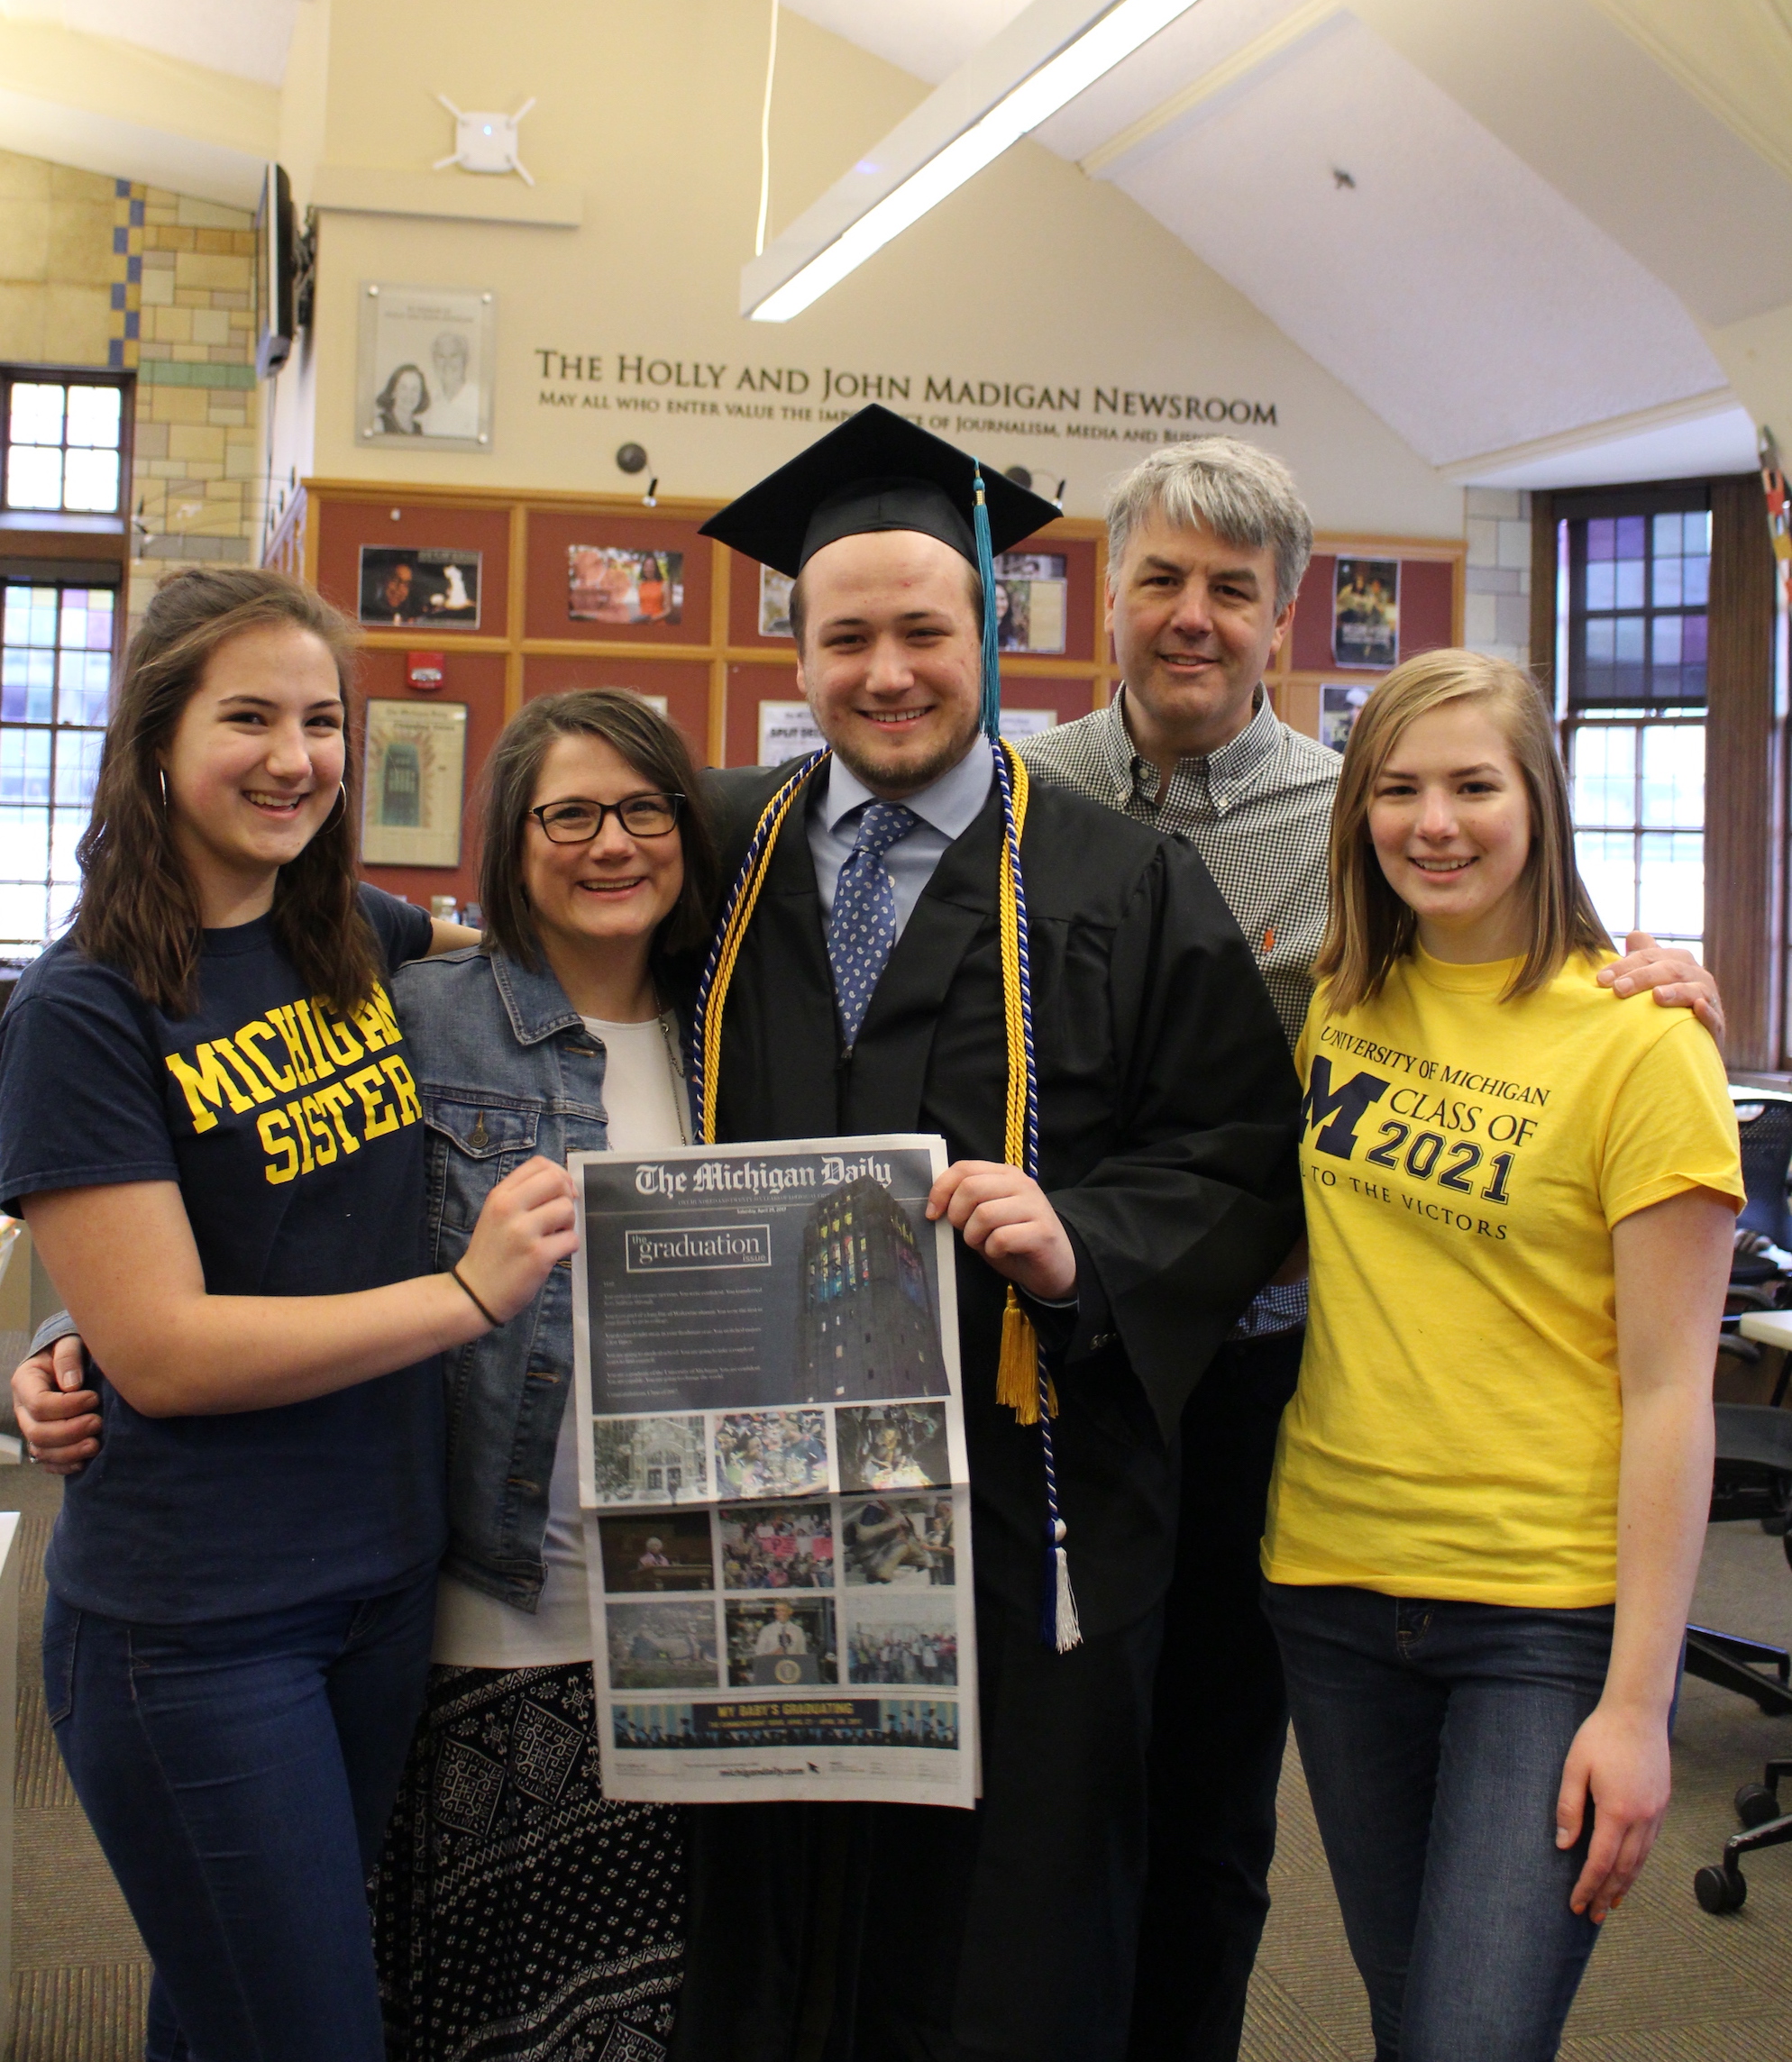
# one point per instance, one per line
(1455, 1430)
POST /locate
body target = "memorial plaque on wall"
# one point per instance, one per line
(415, 778)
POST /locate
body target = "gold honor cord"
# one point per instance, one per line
(1017, 1378)
(1018, 1369)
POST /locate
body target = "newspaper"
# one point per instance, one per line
(773, 1465)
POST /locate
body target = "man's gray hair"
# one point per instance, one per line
(1240, 493)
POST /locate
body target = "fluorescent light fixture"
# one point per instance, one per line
(1038, 97)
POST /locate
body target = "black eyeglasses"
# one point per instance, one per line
(641, 816)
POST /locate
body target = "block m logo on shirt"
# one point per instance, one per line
(1341, 1110)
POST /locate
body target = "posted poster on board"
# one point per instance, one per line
(773, 1465)
(1365, 612)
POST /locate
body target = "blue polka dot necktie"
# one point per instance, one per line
(862, 929)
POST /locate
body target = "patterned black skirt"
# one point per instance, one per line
(517, 1916)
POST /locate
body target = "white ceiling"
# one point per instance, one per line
(1482, 286)
(245, 38)
(929, 37)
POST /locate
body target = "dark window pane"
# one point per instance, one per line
(1633, 536)
(1600, 534)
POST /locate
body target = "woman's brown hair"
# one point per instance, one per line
(1369, 927)
(138, 910)
(652, 746)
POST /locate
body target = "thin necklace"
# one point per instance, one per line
(680, 1100)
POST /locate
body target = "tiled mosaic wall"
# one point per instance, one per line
(98, 271)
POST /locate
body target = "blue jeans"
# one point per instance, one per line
(1433, 1737)
(238, 1775)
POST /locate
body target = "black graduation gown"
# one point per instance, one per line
(1168, 1114)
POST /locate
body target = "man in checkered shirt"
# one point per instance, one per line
(1207, 544)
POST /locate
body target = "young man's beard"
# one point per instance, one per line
(910, 775)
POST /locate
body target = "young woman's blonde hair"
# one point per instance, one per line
(1370, 927)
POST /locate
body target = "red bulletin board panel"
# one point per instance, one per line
(748, 686)
(345, 526)
(684, 683)
(553, 531)
(476, 679)
(1067, 699)
(1080, 624)
(1425, 586)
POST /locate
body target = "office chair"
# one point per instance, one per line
(1757, 1303)
(1761, 1269)
(1762, 1437)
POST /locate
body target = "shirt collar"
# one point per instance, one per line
(949, 806)
(1226, 774)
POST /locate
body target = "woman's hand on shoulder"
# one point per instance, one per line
(1677, 979)
(1619, 1766)
(527, 1226)
(58, 1414)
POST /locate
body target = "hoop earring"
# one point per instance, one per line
(161, 775)
(339, 811)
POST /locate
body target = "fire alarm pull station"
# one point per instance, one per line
(422, 670)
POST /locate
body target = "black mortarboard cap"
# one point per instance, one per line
(877, 471)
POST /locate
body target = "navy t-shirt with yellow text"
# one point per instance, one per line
(295, 1133)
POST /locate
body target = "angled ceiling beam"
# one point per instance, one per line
(1251, 57)
(1042, 60)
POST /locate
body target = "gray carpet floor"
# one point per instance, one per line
(1668, 1984)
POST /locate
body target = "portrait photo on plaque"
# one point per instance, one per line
(424, 367)
(1030, 588)
(1365, 612)
(414, 783)
(609, 583)
(403, 584)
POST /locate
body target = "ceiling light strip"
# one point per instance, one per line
(1040, 95)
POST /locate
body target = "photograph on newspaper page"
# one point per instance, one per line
(773, 1466)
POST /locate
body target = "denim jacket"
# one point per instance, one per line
(507, 1069)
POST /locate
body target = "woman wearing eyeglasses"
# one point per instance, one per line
(516, 1912)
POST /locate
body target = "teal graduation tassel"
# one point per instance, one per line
(992, 704)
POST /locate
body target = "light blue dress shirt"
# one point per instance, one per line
(947, 809)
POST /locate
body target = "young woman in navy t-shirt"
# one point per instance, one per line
(209, 1120)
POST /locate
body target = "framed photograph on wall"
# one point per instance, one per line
(1030, 588)
(415, 780)
(1365, 612)
(608, 583)
(410, 583)
(424, 370)
(774, 602)
(1338, 708)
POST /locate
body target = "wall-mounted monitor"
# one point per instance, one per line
(275, 264)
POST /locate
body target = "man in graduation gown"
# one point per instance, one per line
(868, 996)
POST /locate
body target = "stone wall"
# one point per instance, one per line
(99, 271)
(197, 466)
(1496, 605)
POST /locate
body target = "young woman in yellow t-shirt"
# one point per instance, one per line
(1491, 1488)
